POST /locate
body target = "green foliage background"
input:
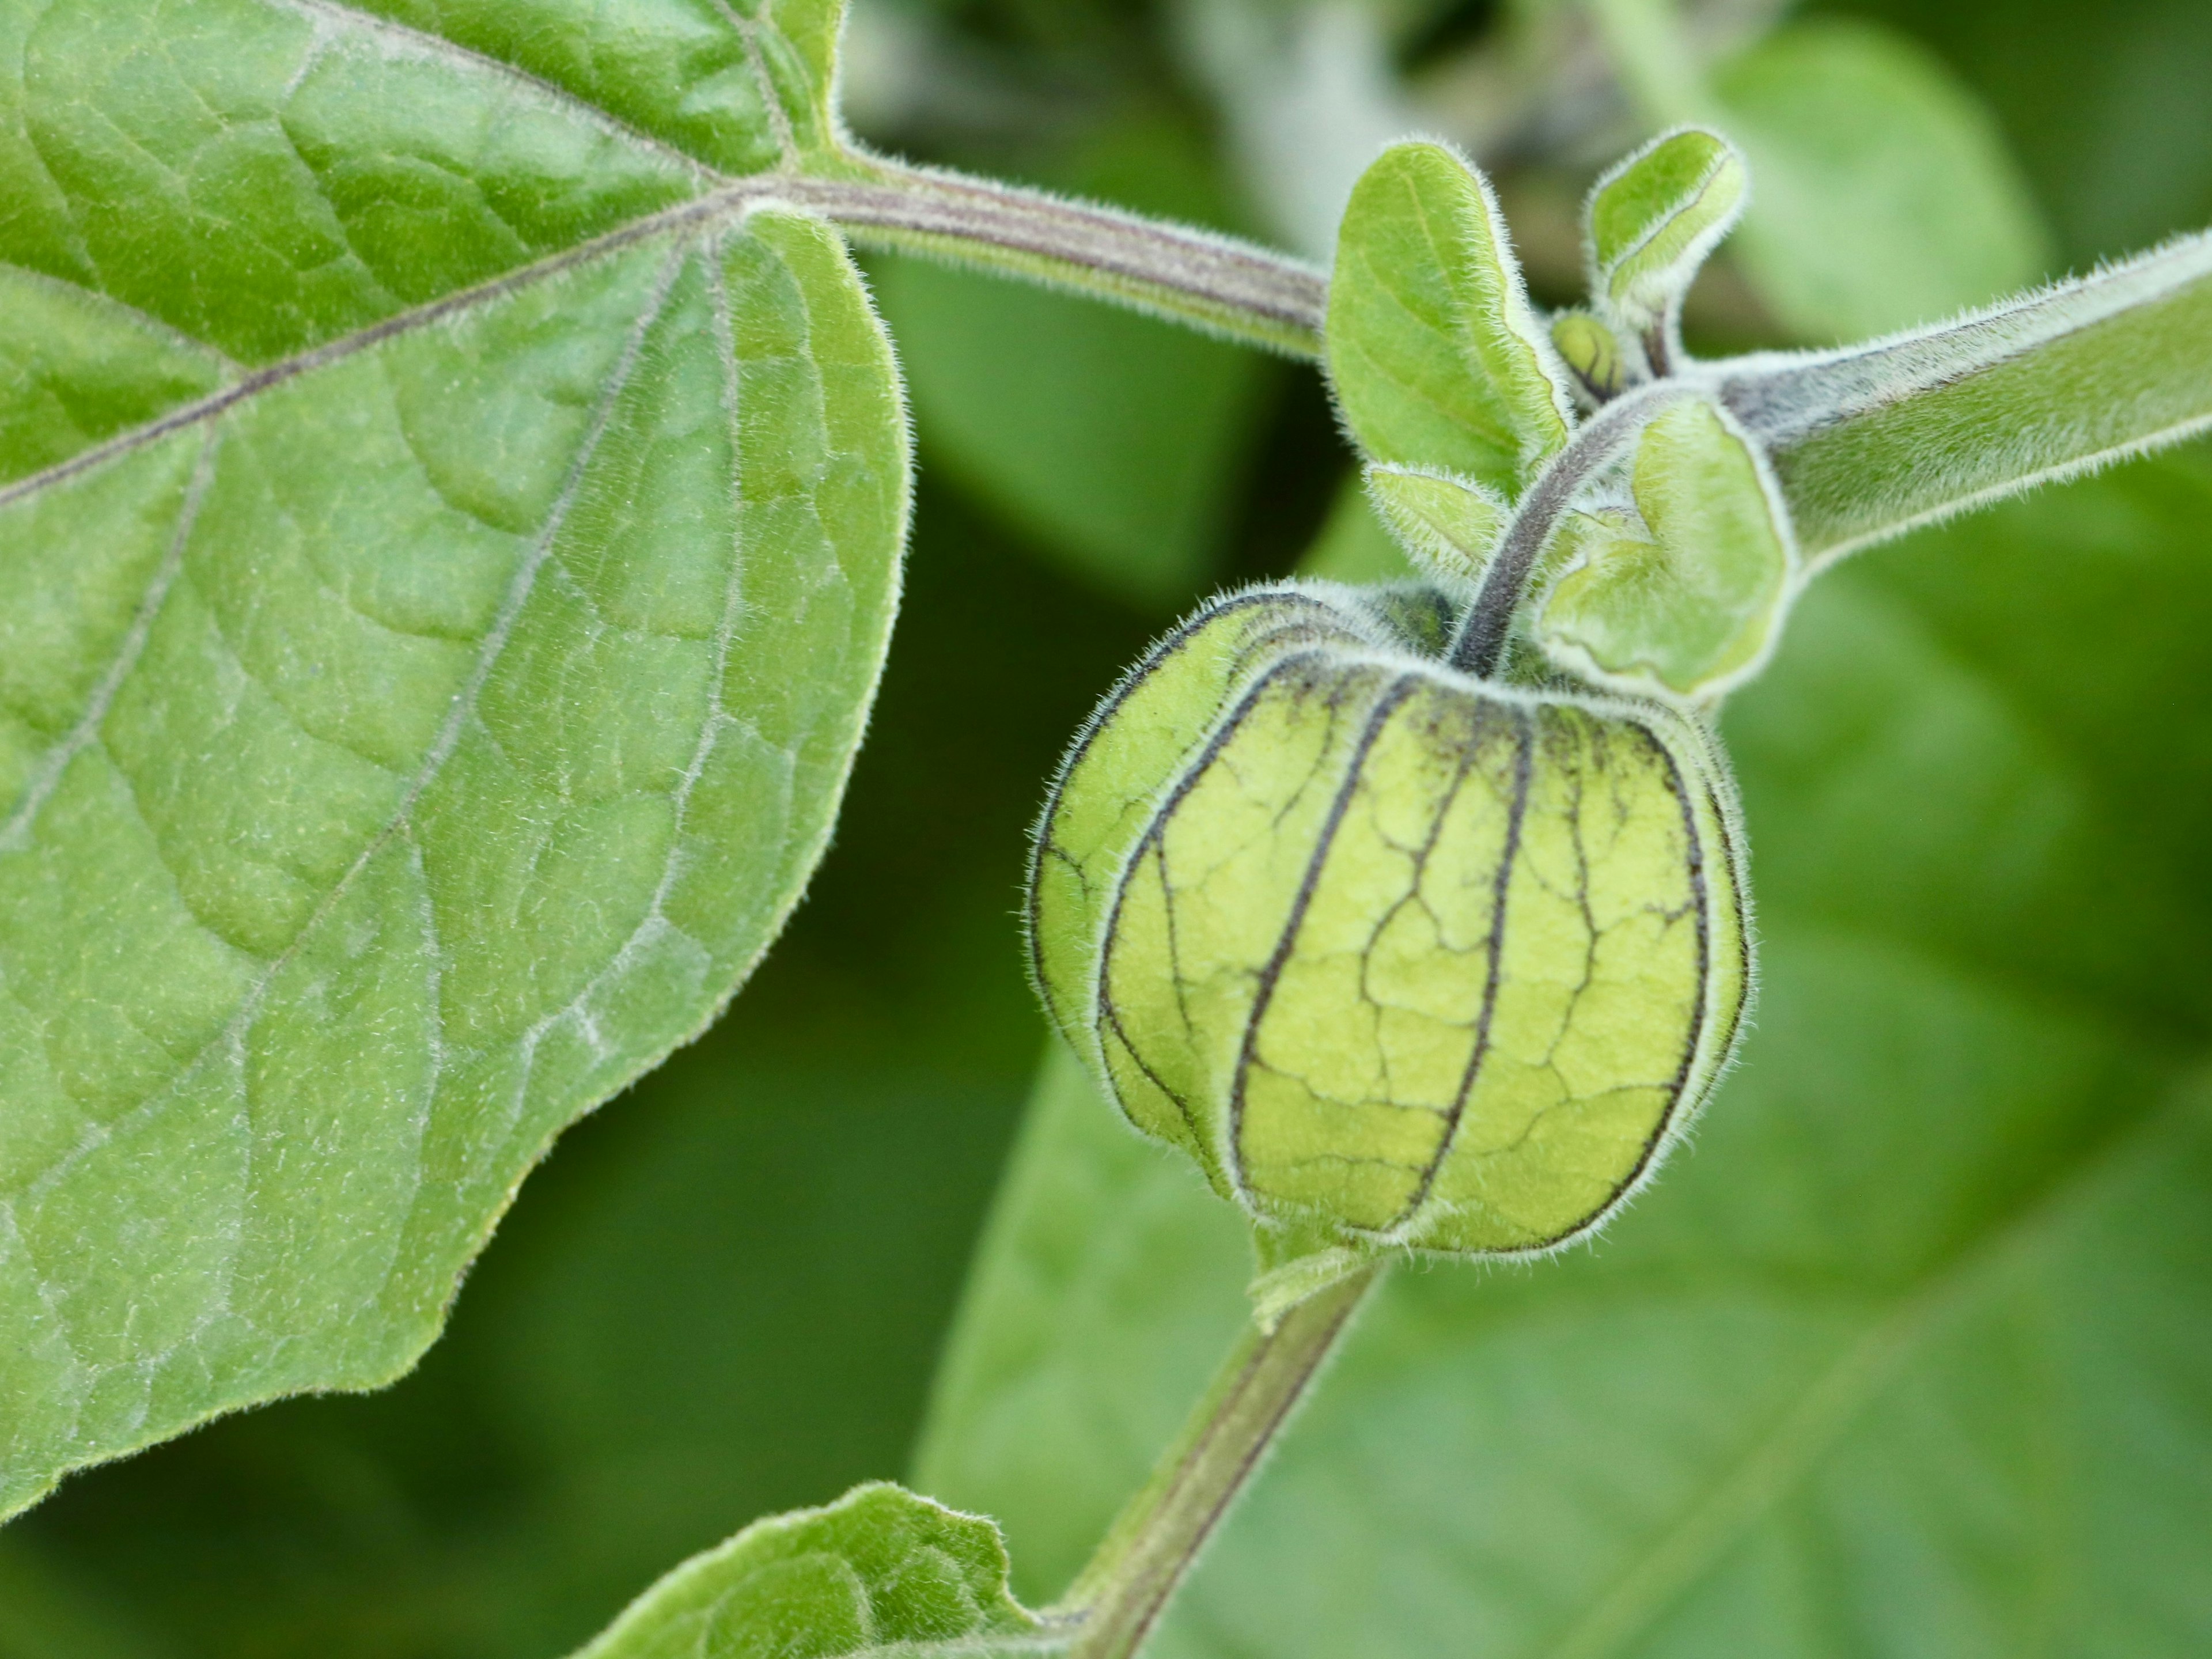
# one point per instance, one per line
(725, 1294)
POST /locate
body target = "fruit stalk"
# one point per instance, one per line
(1119, 1596)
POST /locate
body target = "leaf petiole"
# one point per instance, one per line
(1237, 290)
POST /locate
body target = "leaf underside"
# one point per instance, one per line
(1909, 1352)
(446, 553)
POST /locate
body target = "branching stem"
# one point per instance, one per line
(1122, 1593)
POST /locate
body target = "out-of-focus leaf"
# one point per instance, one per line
(2104, 105)
(1881, 192)
(450, 558)
(878, 1572)
(1113, 439)
(1436, 355)
(1912, 1352)
(1652, 219)
(44, 1610)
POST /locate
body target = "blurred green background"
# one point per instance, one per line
(725, 1294)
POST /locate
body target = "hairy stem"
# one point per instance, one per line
(1237, 289)
(1488, 625)
(1120, 1594)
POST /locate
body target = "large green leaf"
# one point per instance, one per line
(446, 552)
(769, 1230)
(1911, 1354)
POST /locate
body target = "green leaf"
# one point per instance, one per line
(1909, 1352)
(739, 85)
(1692, 603)
(1452, 523)
(880, 1572)
(2121, 157)
(1653, 217)
(451, 554)
(594, 1413)
(1870, 441)
(1882, 192)
(1436, 358)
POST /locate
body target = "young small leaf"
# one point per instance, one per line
(1451, 523)
(1436, 355)
(878, 1572)
(1694, 605)
(1653, 218)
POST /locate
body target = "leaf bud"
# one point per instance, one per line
(1594, 353)
(1398, 956)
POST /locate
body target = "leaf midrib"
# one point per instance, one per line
(731, 202)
